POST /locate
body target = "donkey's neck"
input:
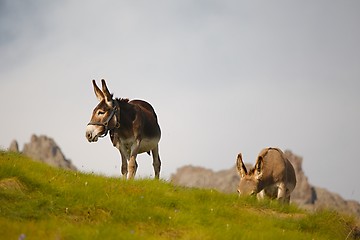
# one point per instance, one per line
(127, 112)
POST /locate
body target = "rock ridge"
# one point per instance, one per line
(43, 149)
(305, 194)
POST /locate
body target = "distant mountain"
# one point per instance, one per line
(43, 149)
(305, 194)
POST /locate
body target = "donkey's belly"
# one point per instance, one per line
(147, 145)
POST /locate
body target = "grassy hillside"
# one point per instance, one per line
(40, 202)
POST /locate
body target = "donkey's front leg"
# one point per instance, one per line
(261, 195)
(124, 157)
(132, 167)
(124, 166)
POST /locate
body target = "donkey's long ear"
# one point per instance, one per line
(259, 167)
(99, 94)
(108, 96)
(240, 166)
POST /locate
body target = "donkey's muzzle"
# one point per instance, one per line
(91, 138)
(92, 133)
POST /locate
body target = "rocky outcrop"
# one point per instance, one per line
(190, 176)
(304, 194)
(14, 146)
(44, 149)
(326, 199)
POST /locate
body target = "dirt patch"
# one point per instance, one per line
(12, 184)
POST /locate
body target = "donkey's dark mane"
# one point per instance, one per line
(122, 100)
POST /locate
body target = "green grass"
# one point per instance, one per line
(42, 202)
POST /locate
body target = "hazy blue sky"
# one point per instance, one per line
(223, 76)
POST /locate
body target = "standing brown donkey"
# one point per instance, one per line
(273, 176)
(133, 128)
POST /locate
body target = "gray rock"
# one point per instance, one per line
(303, 193)
(44, 149)
(14, 146)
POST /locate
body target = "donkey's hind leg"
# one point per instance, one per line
(156, 161)
(281, 195)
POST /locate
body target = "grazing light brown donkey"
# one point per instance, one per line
(273, 176)
(133, 128)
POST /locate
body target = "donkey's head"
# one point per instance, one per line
(103, 117)
(249, 181)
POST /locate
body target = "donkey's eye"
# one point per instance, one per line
(101, 112)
